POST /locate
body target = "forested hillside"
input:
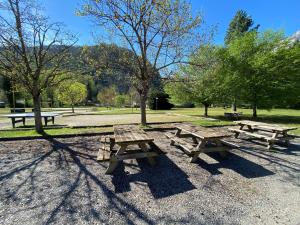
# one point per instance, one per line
(98, 67)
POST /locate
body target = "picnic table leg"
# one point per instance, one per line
(286, 141)
(220, 144)
(13, 122)
(46, 120)
(177, 134)
(272, 142)
(53, 120)
(236, 135)
(23, 119)
(197, 153)
(114, 161)
(250, 128)
(144, 148)
(111, 143)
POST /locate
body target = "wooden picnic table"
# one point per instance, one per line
(124, 136)
(205, 140)
(273, 133)
(20, 117)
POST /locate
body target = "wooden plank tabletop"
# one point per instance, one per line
(130, 133)
(273, 127)
(202, 132)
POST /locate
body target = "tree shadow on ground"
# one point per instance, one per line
(242, 166)
(163, 180)
(74, 195)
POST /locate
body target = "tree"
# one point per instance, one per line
(122, 100)
(264, 67)
(196, 84)
(161, 34)
(71, 93)
(107, 96)
(34, 52)
(240, 24)
(159, 100)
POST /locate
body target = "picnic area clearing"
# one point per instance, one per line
(59, 181)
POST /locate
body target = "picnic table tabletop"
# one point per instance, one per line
(30, 115)
(273, 127)
(130, 133)
(202, 132)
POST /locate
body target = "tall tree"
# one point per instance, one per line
(196, 84)
(253, 58)
(160, 34)
(240, 24)
(34, 51)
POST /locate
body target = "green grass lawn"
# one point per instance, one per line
(58, 131)
(285, 117)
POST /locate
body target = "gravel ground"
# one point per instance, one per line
(59, 181)
(97, 120)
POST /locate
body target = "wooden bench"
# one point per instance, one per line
(274, 133)
(188, 148)
(105, 148)
(125, 135)
(205, 140)
(233, 115)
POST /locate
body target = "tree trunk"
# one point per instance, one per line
(37, 114)
(72, 108)
(143, 99)
(206, 109)
(254, 115)
(234, 106)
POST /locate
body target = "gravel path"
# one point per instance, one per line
(59, 182)
(97, 120)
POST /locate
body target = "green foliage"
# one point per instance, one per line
(261, 69)
(107, 96)
(71, 93)
(122, 100)
(240, 24)
(159, 100)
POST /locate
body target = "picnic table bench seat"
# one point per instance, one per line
(105, 148)
(273, 133)
(233, 115)
(124, 136)
(187, 147)
(205, 140)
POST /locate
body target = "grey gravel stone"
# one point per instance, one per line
(59, 182)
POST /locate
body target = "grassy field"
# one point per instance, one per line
(285, 117)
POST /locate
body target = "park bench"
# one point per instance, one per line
(233, 115)
(20, 117)
(272, 133)
(124, 136)
(15, 120)
(205, 140)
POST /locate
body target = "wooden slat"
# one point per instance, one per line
(264, 126)
(202, 132)
(256, 135)
(129, 133)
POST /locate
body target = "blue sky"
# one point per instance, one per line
(270, 14)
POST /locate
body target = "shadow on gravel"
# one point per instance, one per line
(75, 195)
(234, 162)
(164, 179)
(114, 202)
